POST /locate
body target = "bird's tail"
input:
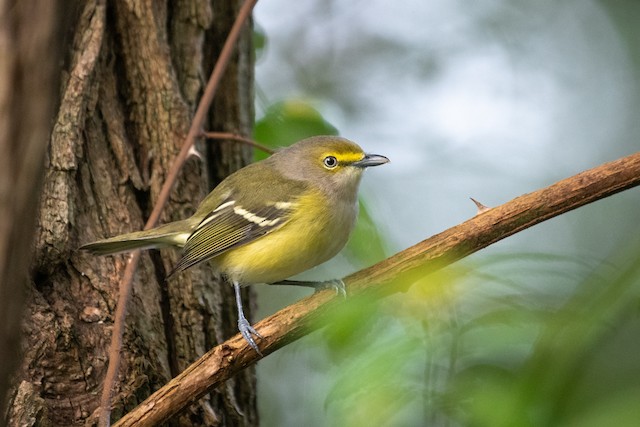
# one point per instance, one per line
(172, 234)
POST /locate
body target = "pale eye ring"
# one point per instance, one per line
(330, 162)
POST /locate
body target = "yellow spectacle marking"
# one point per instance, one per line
(346, 157)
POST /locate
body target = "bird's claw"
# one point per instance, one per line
(335, 284)
(247, 331)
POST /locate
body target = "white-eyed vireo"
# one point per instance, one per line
(269, 220)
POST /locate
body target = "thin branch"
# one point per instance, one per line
(172, 176)
(237, 138)
(395, 274)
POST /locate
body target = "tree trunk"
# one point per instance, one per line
(30, 40)
(133, 74)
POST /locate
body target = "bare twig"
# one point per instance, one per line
(480, 206)
(395, 274)
(238, 138)
(194, 131)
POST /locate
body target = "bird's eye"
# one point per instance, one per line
(330, 162)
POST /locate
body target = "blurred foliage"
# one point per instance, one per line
(481, 345)
(462, 349)
(259, 41)
(491, 98)
(289, 121)
(366, 246)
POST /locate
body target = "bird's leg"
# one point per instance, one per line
(335, 284)
(243, 324)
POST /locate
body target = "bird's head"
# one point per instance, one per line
(334, 164)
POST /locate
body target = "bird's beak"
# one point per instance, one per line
(370, 160)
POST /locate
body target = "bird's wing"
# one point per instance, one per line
(228, 226)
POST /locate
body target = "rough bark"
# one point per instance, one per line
(30, 40)
(133, 74)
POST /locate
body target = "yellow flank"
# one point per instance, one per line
(312, 236)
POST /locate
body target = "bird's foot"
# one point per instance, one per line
(247, 331)
(336, 284)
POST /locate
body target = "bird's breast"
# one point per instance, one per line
(317, 230)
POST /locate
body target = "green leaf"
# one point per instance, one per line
(259, 40)
(287, 122)
(366, 244)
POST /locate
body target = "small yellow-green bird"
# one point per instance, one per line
(269, 220)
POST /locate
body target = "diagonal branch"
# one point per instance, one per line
(395, 274)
